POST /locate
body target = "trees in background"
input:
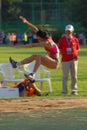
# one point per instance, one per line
(75, 10)
(10, 10)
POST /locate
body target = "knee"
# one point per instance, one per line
(34, 56)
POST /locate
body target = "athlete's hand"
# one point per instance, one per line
(23, 19)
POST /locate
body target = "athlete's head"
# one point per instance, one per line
(42, 34)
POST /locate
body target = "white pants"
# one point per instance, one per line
(72, 67)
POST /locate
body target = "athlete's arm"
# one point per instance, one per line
(33, 27)
(29, 45)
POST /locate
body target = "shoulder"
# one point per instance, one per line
(63, 38)
(49, 40)
(75, 38)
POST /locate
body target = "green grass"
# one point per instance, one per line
(56, 75)
(69, 119)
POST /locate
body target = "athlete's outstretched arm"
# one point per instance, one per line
(33, 27)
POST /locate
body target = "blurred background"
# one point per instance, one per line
(51, 15)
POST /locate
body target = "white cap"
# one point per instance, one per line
(69, 27)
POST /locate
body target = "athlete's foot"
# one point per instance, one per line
(13, 62)
(31, 75)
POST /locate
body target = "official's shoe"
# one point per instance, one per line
(13, 62)
(63, 93)
(74, 93)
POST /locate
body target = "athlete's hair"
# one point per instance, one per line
(42, 34)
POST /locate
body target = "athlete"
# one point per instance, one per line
(51, 60)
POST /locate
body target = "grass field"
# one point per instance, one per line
(43, 119)
(71, 119)
(56, 75)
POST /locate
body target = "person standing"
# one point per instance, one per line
(13, 39)
(69, 46)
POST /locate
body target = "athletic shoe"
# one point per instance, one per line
(31, 75)
(30, 78)
(13, 62)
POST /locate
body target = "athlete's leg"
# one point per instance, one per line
(40, 59)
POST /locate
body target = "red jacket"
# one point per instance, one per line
(68, 48)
